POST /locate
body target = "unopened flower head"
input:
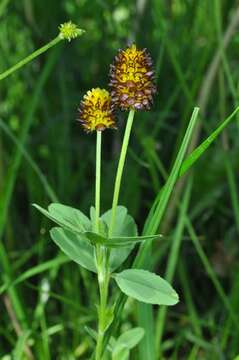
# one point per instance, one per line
(69, 31)
(96, 112)
(132, 79)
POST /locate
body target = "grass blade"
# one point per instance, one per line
(197, 153)
(35, 270)
(172, 262)
(163, 197)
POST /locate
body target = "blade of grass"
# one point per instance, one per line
(197, 153)
(145, 319)
(35, 270)
(172, 263)
(162, 200)
(20, 349)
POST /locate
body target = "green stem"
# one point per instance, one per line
(101, 256)
(120, 169)
(97, 180)
(30, 58)
(103, 280)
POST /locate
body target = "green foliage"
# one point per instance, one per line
(124, 226)
(67, 217)
(75, 246)
(146, 287)
(76, 241)
(127, 341)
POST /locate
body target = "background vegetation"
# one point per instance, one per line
(194, 44)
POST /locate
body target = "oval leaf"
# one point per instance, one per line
(124, 226)
(76, 247)
(129, 339)
(146, 287)
(67, 217)
(121, 354)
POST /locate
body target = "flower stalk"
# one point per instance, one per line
(120, 169)
(103, 271)
(101, 255)
(64, 34)
(96, 114)
(97, 180)
(103, 281)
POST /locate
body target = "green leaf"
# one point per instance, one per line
(124, 226)
(103, 228)
(67, 217)
(93, 334)
(118, 242)
(157, 211)
(124, 223)
(197, 153)
(121, 354)
(131, 240)
(76, 247)
(129, 339)
(20, 348)
(95, 238)
(109, 317)
(35, 270)
(146, 287)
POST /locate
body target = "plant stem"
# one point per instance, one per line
(103, 280)
(97, 180)
(101, 256)
(29, 58)
(120, 169)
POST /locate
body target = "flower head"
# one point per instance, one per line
(131, 79)
(96, 112)
(69, 31)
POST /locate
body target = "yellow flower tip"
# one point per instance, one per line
(132, 79)
(69, 31)
(96, 111)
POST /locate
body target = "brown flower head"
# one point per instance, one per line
(96, 112)
(131, 79)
